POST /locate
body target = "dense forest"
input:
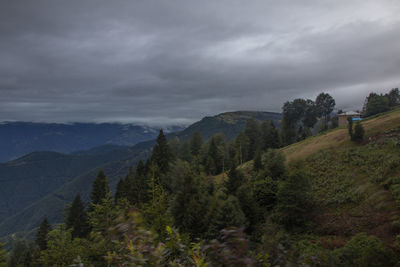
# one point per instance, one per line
(220, 202)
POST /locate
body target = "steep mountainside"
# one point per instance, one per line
(20, 138)
(29, 178)
(115, 167)
(355, 187)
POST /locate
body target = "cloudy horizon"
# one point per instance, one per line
(174, 62)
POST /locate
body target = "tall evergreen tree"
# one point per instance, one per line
(100, 189)
(195, 143)
(293, 199)
(190, 205)
(252, 131)
(269, 135)
(162, 155)
(234, 181)
(122, 190)
(41, 237)
(77, 218)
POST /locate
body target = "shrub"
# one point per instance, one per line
(358, 135)
(363, 250)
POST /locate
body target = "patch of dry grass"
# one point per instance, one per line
(340, 137)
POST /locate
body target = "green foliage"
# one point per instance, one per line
(394, 97)
(234, 181)
(3, 256)
(63, 249)
(102, 215)
(100, 188)
(195, 143)
(350, 127)
(358, 135)
(76, 219)
(189, 206)
(162, 154)
(376, 104)
(293, 200)
(20, 255)
(227, 213)
(273, 163)
(253, 133)
(155, 212)
(363, 250)
(41, 237)
(264, 193)
(269, 135)
(324, 104)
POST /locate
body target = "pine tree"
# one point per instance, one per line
(293, 200)
(228, 213)
(121, 191)
(269, 136)
(77, 219)
(42, 234)
(252, 131)
(190, 206)
(195, 143)
(162, 155)
(234, 181)
(100, 189)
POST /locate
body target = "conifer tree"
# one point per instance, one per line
(184, 152)
(77, 219)
(293, 199)
(41, 237)
(121, 191)
(269, 135)
(252, 131)
(234, 181)
(161, 155)
(228, 213)
(195, 143)
(100, 189)
(190, 205)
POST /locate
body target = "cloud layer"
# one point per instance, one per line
(168, 62)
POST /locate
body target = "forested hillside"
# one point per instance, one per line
(333, 204)
(76, 171)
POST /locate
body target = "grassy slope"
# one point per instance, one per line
(356, 187)
(340, 137)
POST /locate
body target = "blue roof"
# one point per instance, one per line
(356, 119)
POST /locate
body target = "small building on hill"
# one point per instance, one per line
(350, 114)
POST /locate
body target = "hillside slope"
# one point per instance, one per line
(355, 187)
(29, 178)
(52, 205)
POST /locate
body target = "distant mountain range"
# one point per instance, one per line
(43, 183)
(20, 138)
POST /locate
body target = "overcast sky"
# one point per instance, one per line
(169, 62)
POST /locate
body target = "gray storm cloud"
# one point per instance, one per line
(168, 62)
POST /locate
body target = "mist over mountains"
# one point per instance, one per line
(20, 138)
